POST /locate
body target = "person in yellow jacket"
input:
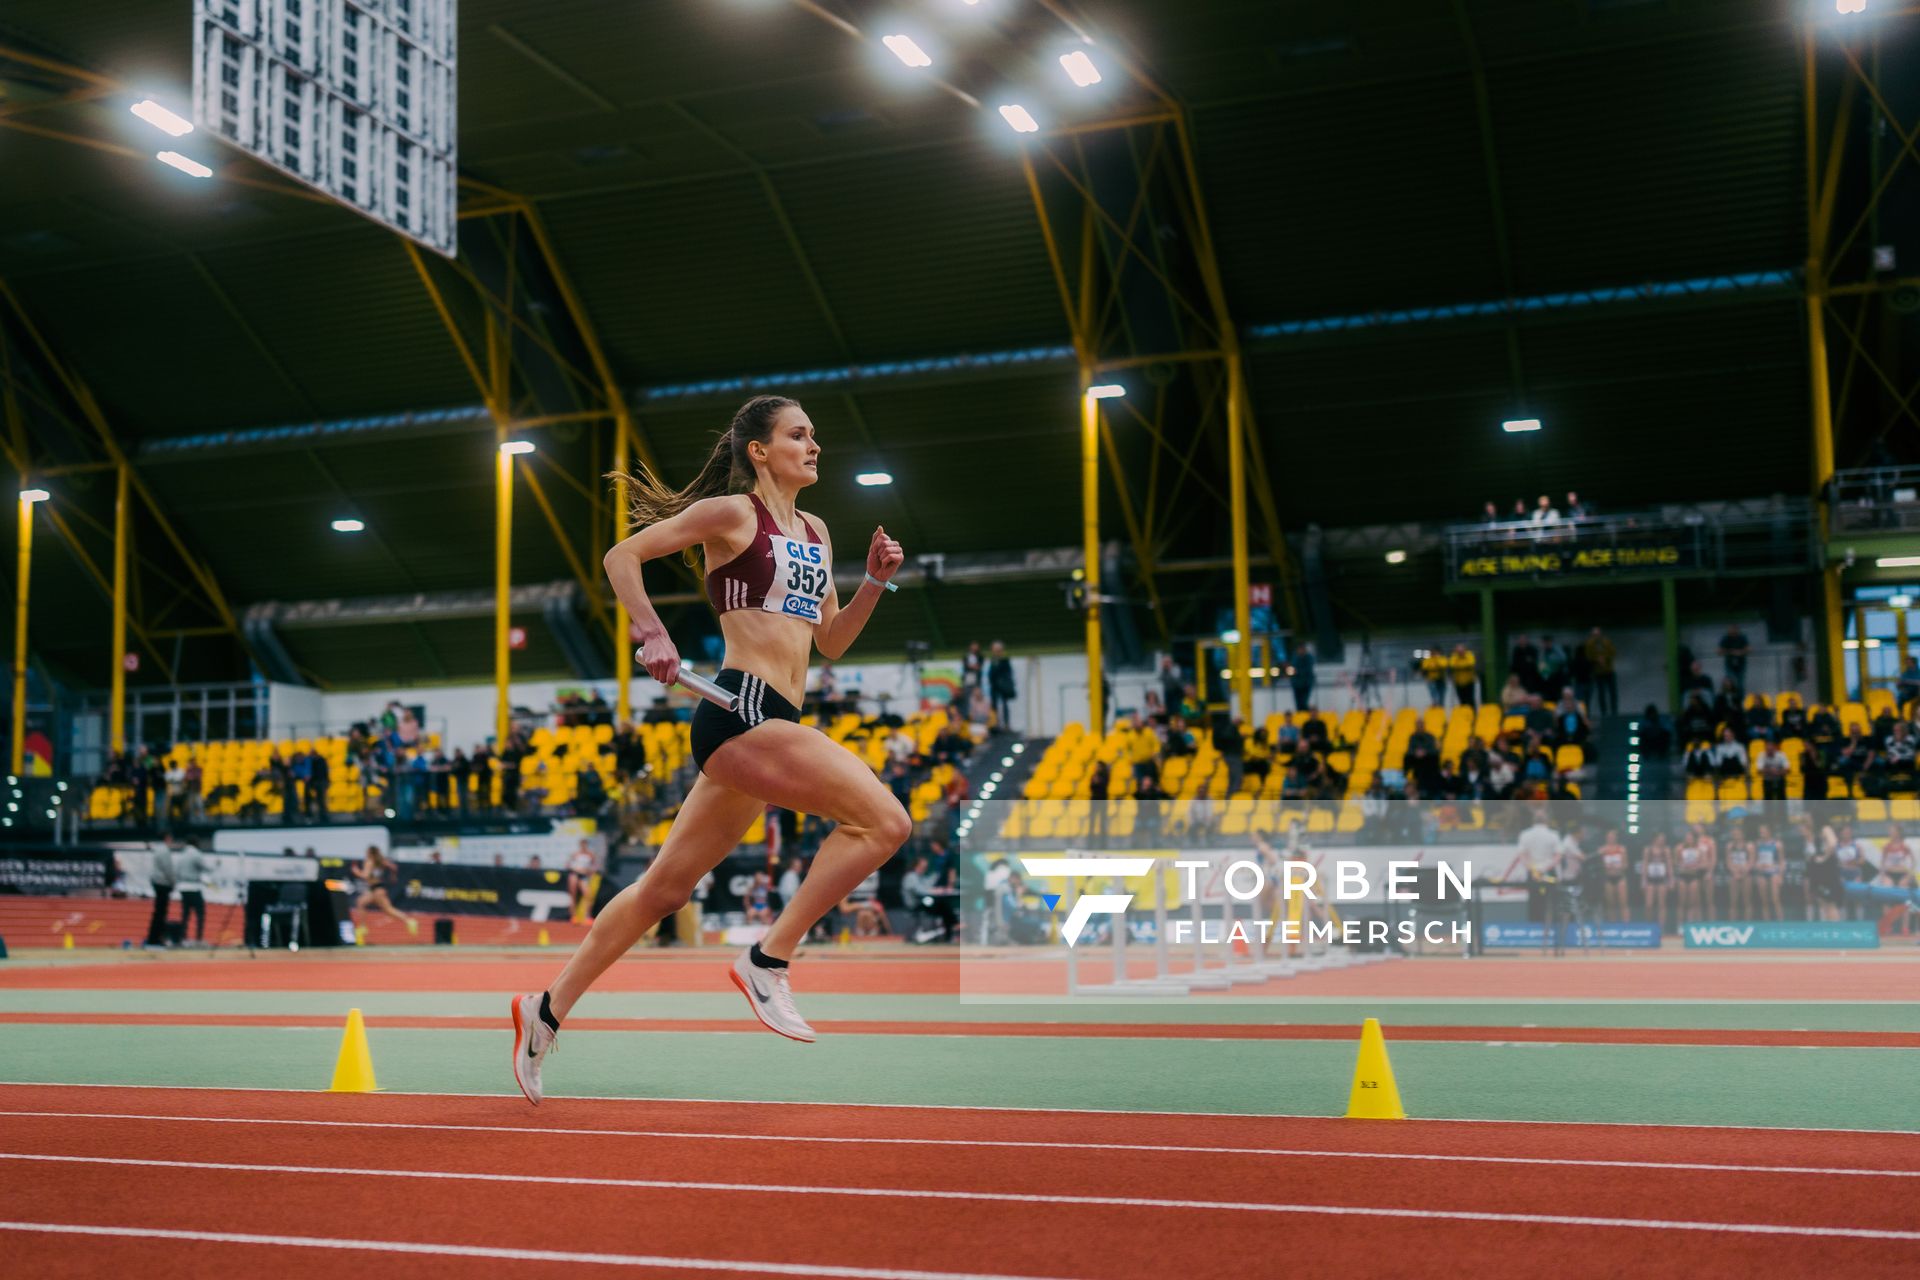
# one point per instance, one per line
(1464, 668)
(1433, 669)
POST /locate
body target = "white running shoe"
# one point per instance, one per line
(532, 1040)
(770, 996)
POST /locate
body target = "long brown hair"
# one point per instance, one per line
(727, 469)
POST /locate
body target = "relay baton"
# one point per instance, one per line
(693, 682)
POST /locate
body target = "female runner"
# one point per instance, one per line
(1896, 869)
(378, 874)
(1613, 861)
(1767, 866)
(770, 578)
(1740, 884)
(1656, 873)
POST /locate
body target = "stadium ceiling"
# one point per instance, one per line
(732, 188)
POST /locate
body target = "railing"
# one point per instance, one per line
(1679, 542)
(1876, 499)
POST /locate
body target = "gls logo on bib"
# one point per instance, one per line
(801, 579)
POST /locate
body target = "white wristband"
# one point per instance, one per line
(876, 582)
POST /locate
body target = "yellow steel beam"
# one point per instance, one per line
(1833, 668)
(91, 411)
(1242, 651)
(1090, 537)
(622, 624)
(24, 569)
(117, 703)
(502, 593)
(460, 346)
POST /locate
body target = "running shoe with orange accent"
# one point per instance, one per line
(770, 996)
(532, 1040)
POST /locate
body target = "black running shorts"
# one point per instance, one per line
(758, 701)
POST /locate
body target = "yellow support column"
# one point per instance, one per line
(1090, 536)
(502, 590)
(1241, 654)
(25, 570)
(117, 705)
(622, 625)
(1833, 667)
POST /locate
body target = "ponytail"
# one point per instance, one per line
(727, 469)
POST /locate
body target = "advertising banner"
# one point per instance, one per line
(54, 871)
(1860, 935)
(1630, 934)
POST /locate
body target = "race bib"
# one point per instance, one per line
(801, 577)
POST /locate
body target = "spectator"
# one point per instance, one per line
(1179, 741)
(1774, 767)
(1514, 696)
(1173, 685)
(176, 779)
(973, 667)
(1300, 673)
(1854, 757)
(162, 877)
(1696, 720)
(1729, 756)
(590, 793)
(1576, 509)
(1524, 663)
(196, 792)
(1553, 669)
(1490, 513)
(1696, 678)
(1520, 512)
(319, 781)
(1909, 686)
(1544, 512)
(1433, 669)
(1601, 656)
(1733, 651)
(1570, 726)
(1001, 687)
(1580, 672)
(482, 764)
(190, 880)
(441, 771)
(1539, 719)
(1231, 743)
(1259, 757)
(1727, 709)
(1463, 669)
(1655, 738)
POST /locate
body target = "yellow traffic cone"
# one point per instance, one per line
(353, 1071)
(1375, 1096)
(359, 935)
(543, 940)
(845, 938)
(66, 942)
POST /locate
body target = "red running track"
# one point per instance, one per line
(893, 1190)
(1058, 1030)
(1775, 978)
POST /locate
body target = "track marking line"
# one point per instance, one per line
(996, 1197)
(1151, 1147)
(653, 1261)
(974, 1106)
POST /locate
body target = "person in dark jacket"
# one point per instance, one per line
(1000, 686)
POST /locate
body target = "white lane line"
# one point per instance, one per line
(654, 1261)
(995, 1197)
(1153, 1147)
(971, 1106)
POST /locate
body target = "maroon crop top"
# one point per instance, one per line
(775, 572)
